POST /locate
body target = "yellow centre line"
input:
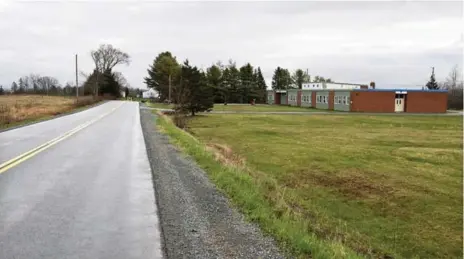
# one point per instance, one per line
(23, 157)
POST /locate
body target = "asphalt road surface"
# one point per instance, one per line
(86, 195)
(104, 183)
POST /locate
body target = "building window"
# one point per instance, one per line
(344, 99)
(347, 100)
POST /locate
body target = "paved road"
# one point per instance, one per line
(88, 196)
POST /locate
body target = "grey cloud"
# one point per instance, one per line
(325, 37)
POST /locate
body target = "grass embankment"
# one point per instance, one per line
(16, 110)
(327, 185)
(245, 107)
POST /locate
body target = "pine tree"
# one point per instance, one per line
(432, 83)
(110, 85)
(193, 93)
(164, 66)
(260, 85)
(247, 88)
(281, 79)
(214, 79)
(234, 83)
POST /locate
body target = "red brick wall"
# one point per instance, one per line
(331, 100)
(426, 102)
(298, 98)
(373, 101)
(313, 99)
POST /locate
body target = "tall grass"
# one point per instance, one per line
(17, 109)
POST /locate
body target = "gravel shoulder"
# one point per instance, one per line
(196, 219)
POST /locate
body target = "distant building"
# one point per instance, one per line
(362, 99)
(150, 93)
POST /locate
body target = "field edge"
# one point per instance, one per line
(247, 195)
(28, 122)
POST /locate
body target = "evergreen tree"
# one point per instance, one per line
(247, 85)
(281, 79)
(234, 83)
(299, 77)
(91, 83)
(225, 85)
(432, 83)
(193, 93)
(2, 92)
(214, 79)
(261, 85)
(14, 87)
(110, 85)
(164, 66)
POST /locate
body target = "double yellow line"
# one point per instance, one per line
(23, 157)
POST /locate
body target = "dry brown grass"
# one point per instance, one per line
(225, 155)
(19, 108)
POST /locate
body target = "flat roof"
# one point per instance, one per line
(402, 90)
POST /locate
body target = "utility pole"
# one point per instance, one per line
(77, 83)
(169, 88)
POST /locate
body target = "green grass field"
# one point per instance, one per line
(329, 185)
(245, 107)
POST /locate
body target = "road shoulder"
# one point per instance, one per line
(196, 219)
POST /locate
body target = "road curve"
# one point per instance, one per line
(88, 196)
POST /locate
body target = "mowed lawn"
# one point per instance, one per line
(381, 185)
(15, 109)
(245, 107)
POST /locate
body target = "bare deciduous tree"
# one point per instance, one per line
(121, 79)
(106, 57)
(454, 85)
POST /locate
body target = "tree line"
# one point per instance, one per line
(226, 83)
(102, 81)
(283, 79)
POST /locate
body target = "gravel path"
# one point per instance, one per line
(195, 218)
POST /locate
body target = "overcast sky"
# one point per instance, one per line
(392, 43)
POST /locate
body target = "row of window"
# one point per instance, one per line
(322, 99)
(342, 100)
(319, 99)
